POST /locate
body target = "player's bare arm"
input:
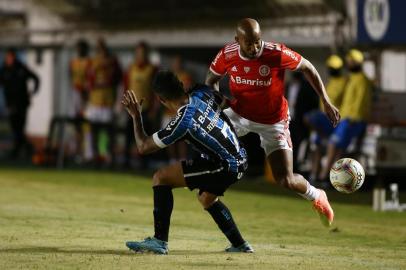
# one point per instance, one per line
(212, 80)
(225, 102)
(145, 144)
(314, 79)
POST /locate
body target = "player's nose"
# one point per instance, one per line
(254, 50)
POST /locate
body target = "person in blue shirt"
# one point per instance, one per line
(201, 122)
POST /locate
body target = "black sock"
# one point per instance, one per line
(222, 216)
(163, 205)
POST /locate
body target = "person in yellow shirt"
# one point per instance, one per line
(103, 78)
(138, 78)
(354, 109)
(317, 119)
(78, 70)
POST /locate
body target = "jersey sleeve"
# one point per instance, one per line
(219, 98)
(175, 130)
(289, 58)
(218, 66)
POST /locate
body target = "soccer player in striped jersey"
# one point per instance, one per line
(201, 122)
(257, 69)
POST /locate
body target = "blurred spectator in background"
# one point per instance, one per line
(301, 99)
(177, 151)
(317, 119)
(139, 79)
(184, 76)
(103, 77)
(14, 77)
(78, 70)
(354, 110)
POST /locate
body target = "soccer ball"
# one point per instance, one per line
(347, 175)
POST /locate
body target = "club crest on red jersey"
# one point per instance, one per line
(247, 69)
(264, 70)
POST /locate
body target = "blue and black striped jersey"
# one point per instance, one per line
(202, 123)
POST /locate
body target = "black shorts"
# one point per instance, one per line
(208, 176)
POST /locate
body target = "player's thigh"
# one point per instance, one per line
(274, 137)
(239, 124)
(171, 175)
(208, 176)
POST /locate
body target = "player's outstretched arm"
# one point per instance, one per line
(314, 79)
(212, 80)
(145, 144)
(222, 100)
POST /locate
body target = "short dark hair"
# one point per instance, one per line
(167, 85)
(144, 45)
(82, 47)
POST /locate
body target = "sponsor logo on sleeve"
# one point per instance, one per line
(174, 121)
(290, 54)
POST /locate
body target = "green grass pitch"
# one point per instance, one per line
(81, 220)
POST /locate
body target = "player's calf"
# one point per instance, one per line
(286, 181)
(224, 220)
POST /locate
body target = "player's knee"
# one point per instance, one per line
(159, 178)
(206, 199)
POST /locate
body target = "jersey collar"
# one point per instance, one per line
(257, 56)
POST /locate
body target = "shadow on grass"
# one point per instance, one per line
(64, 250)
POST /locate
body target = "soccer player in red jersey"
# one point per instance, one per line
(256, 70)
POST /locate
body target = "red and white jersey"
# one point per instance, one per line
(257, 84)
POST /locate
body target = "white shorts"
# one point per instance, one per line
(273, 137)
(76, 104)
(99, 114)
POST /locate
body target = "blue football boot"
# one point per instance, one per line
(150, 244)
(246, 248)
